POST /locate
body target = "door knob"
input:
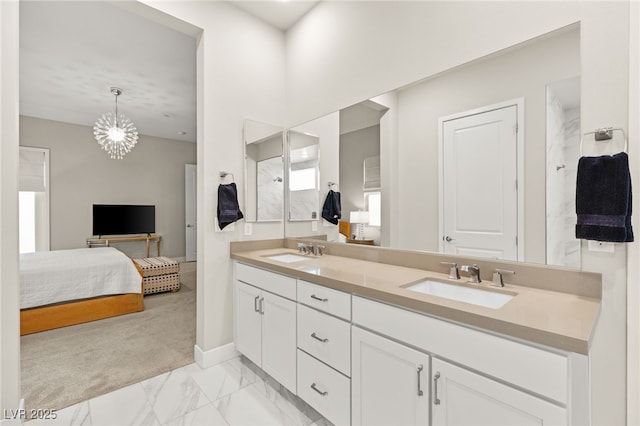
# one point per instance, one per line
(448, 239)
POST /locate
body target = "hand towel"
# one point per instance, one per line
(332, 209)
(603, 199)
(228, 208)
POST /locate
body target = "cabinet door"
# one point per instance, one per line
(279, 339)
(247, 321)
(461, 397)
(389, 382)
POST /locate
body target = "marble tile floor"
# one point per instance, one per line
(233, 393)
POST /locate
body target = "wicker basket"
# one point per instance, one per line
(158, 274)
(151, 266)
(160, 283)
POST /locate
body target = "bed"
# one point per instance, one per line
(66, 287)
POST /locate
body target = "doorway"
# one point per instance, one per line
(190, 209)
(479, 213)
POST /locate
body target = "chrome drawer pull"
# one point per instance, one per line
(261, 306)
(255, 304)
(313, 296)
(313, 386)
(315, 336)
(420, 392)
(436, 400)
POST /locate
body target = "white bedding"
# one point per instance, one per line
(65, 275)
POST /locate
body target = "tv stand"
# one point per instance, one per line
(104, 241)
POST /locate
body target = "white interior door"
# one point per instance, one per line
(479, 188)
(191, 222)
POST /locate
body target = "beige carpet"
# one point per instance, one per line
(72, 364)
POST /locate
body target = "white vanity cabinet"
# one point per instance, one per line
(324, 350)
(265, 322)
(390, 382)
(491, 380)
(461, 397)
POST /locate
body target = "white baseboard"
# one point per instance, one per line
(215, 356)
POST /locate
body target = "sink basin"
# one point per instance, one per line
(287, 257)
(475, 296)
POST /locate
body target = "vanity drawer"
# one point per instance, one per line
(325, 299)
(323, 388)
(325, 337)
(266, 280)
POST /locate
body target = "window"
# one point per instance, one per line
(302, 179)
(33, 199)
(373, 203)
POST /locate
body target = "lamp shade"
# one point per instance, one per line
(359, 217)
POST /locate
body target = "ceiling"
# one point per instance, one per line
(73, 52)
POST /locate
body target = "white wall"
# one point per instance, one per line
(82, 174)
(344, 52)
(240, 75)
(9, 294)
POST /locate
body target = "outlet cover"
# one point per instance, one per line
(314, 225)
(248, 228)
(600, 246)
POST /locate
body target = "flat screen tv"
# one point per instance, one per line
(119, 219)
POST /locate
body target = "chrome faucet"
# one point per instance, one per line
(305, 248)
(497, 277)
(454, 274)
(474, 273)
(310, 248)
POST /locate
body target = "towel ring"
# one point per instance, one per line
(605, 134)
(224, 174)
(332, 184)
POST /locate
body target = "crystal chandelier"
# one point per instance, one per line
(115, 133)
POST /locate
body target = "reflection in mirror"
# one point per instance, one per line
(410, 158)
(563, 152)
(264, 172)
(304, 176)
(360, 169)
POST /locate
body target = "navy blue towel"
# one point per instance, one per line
(603, 199)
(332, 209)
(228, 208)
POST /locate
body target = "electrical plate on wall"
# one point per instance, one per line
(600, 246)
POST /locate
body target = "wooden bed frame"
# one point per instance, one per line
(34, 320)
(345, 229)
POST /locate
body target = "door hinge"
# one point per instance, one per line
(516, 240)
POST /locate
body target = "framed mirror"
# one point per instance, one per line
(263, 172)
(411, 193)
(304, 176)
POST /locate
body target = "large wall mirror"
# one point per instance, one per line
(264, 172)
(390, 160)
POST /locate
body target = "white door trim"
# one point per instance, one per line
(519, 104)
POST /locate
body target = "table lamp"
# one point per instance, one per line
(359, 218)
